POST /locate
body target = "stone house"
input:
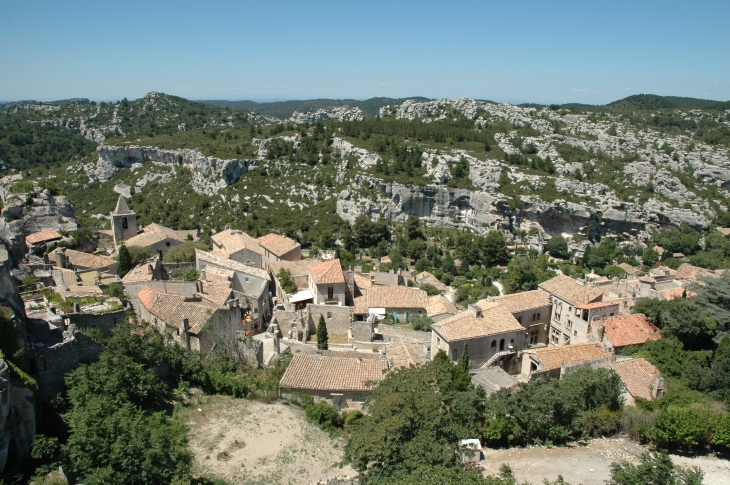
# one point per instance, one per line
(398, 301)
(159, 239)
(192, 322)
(555, 361)
(582, 320)
(327, 283)
(78, 261)
(342, 379)
(253, 284)
(640, 379)
(488, 327)
(238, 246)
(276, 247)
(44, 239)
(565, 294)
(424, 277)
(439, 308)
(618, 332)
(532, 310)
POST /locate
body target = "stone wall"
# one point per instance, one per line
(104, 321)
(51, 364)
(337, 318)
(175, 270)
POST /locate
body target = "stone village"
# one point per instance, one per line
(267, 296)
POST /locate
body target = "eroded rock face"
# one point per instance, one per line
(342, 113)
(26, 213)
(210, 174)
(482, 211)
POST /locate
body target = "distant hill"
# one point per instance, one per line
(9, 104)
(284, 109)
(652, 101)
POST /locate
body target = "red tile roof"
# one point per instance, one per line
(332, 373)
(496, 319)
(625, 330)
(277, 244)
(638, 376)
(329, 272)
(397, 297)
(43, 236)
(555, 357)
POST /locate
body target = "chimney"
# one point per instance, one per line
(476, 310)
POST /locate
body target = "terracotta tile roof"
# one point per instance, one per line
(625, 330)
(521, 302)
(277, 244)
(171, 309)
(386, 259)
(628, 268)
(362, 281)
(142, 272)
(332, 373)
(673, 293)
(687, 271)
(148, 296)
(570, 290)
(155, 233)
(440, 305)
(329, 272)
(405, 354)
(495, 319)
(205, 259)
(361, 304)
(725, 231)
(555, 357)
(217, 293)
(233, 240)
(84, 260)
(598, 304)
(218, 275)
(428, 278)
(43, 236)
(638, 376)
(65, 278)
(396, 297)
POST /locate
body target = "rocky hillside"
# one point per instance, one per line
(463, 163)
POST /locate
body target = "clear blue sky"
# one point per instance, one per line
(548, 51)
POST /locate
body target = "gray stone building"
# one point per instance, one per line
(238, 246)
(565, 294)
(488, 327)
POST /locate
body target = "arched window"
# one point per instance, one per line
(494, 345)
(125, 224)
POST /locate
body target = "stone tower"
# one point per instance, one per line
(124, 222)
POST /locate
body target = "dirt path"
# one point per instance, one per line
(256, 443)
(588, 464)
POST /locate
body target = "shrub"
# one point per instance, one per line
(323, 415)
(681, 428)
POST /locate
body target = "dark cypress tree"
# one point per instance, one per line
(124, 263)
(322, 337)
(464, 359)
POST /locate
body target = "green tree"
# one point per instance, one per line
(430, 289)
(191, 274)
(524, 274)
(681, 318)
(322, 337)
(494, 249)
(433, 413)
(655, 468)
(713, 297)
(650, 256)
(139, 254)
(464, 359)
(124, 261)
(557, 246)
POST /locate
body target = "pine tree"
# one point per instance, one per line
(124, 262)
(464, 359)
(322, 337)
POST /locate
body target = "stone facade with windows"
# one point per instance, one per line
(565, 294)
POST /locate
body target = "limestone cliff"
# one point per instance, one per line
(210, 174)
(39, 210)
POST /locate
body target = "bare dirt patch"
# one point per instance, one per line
(255, 443)
(589, 463)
